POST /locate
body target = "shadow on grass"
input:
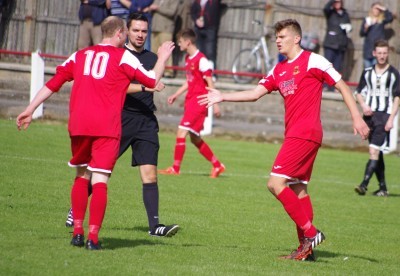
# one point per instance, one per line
(345, 257)
(205, 174)
(115, 243)
(135, 228)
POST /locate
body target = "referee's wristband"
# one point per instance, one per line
(143, 88)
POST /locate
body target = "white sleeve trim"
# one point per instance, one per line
(204, 65)
(321, 63)
(133, 62)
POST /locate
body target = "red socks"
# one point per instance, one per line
(180, 148)
(79, 200)
(294, 209)
(206, 151)
(97, 209)
(308, 209)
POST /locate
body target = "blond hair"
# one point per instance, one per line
(381, 15)
(111, 25)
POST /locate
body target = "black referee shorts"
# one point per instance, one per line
(140, 132)
(376, 123)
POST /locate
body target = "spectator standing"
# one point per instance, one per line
(117, 9)
(299, 80)
(91, 14)
(164, 13)
(142, 6)
(338, 26)
(198, 77)
(373, 29)
(378, 94)
(206, 17)
(101, 74)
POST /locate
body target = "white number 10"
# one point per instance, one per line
(98, 69)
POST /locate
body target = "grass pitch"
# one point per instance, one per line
(230, 225)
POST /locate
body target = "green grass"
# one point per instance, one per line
(230, 225)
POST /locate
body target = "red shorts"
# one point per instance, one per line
(99, 154)
(193, 117)
(295, 160)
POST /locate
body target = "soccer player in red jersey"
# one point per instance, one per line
(198, 77)
(101, 75)
(299, 79)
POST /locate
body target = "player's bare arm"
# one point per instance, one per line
(171, 99)
(24, 119)
(136, 87)
(215, 96)
(210, 84)
(163, 53)
(359, 126)
(389, 124)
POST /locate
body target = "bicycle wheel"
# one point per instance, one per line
(246, 61)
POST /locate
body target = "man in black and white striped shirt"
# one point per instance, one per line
(378, 94)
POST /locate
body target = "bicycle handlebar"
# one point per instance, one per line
(256, 21)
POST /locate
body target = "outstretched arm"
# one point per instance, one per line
(359, 126)
(216, 109)
(137, 87)
(164, 52)
(24, 119)
(214, 96)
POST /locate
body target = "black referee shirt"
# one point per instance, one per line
(142, 102)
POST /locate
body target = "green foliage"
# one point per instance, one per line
(230, 225)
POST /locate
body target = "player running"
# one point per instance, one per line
(198, 76)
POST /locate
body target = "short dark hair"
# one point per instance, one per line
(136, 16)
(187, 34)
(381, 43)
(288, 23)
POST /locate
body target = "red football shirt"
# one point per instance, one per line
(101, 74)
(300, 82)
(197, 68)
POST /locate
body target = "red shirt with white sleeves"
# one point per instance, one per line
(197, 68)
(300, 82)
(101, 75)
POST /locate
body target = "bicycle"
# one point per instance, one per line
(250, 63)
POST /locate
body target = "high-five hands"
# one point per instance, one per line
(214, 96)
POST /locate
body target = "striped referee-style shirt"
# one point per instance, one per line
(379, 91)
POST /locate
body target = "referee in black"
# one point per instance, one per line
(378, 94)
(140, 126)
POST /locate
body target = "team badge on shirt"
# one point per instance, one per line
(296, 70)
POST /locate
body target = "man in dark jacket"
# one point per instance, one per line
(206, 16)
(338, 26)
